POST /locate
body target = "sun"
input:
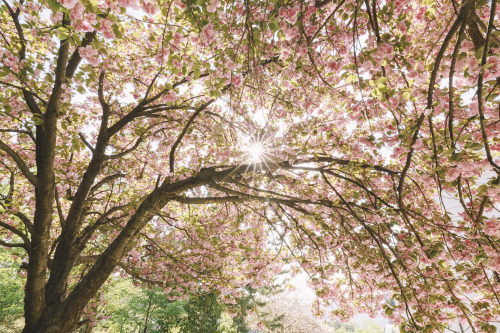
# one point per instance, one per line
(254, 150)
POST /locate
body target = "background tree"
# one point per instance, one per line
(252, 301)
(151, 311)
(195, 145)
(203, 314)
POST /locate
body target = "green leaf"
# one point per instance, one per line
(448, 152)
(382, 87)
(117, 32)
(479, 52)
(62, 29)
(63, 32)
(351, 78)
(433, 253)
(215, 94)
(4, 72)
(481, 3)
(475, 146)
(455, 157)
(196, 73)
(486, 66)
(37, 119)
(77, 39)
(388, 311)
(54, 5)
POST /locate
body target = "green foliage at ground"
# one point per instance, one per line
(129, 308)
(11, 290)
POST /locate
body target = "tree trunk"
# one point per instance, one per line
(53, 320)
(147, 316)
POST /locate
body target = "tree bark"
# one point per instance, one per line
(46, 134)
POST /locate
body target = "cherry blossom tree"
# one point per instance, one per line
(198, 145)
(288, 312)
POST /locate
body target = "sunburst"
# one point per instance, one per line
(255, 150)
(256, 155)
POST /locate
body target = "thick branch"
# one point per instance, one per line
(66, 253)
(76, 58)
(208, 200)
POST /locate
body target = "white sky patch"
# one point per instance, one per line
(261, 116)
(197, 89)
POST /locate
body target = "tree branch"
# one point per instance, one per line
(184, 131)
(89, 146)
(126, 151)
(28, 97)
(105, 180)
(207, 200)
(32, 178)
(465, 11)
(480, 80)
(18, 233)
(76, 58)
(12, 244)
(24, 90)
(27, 222)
